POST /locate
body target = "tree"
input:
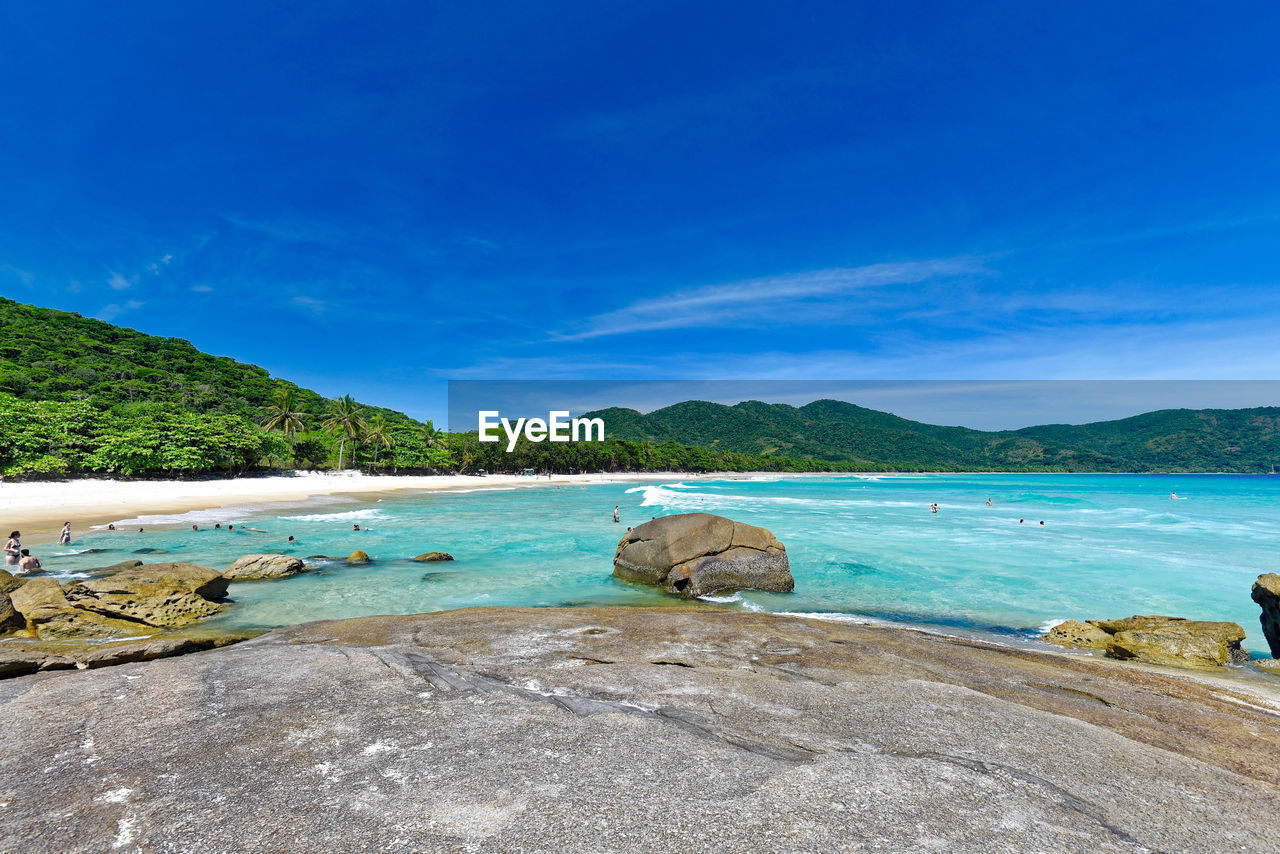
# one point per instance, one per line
(376, 434)
(346, 421)
(284, 416)
(431, 435)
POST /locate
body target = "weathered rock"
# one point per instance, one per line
(18, 661)
(1079, 635)
(693, 554)
(162, 594)
(10, 582)
(11, 619)
(150, 551)
(550, 729)
(33, 655)
(426, 557)
(358, 556)
(38, 592)
(1270, 666)
(58, 622)
(264, 567)
(1266, 592)
(1182, 643)
(100, 571)
(1171, 641)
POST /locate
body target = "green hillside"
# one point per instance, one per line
(51, 355)
(1173, 440)
(81, 397)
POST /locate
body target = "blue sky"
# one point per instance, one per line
(377, 197)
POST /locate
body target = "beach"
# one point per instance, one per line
(39, 508)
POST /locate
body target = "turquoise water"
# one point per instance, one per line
(1112, 545)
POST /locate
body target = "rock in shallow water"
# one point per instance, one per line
(428, 557)
(264, 568)
(693, 554)
(163, 594)
(1266, 592)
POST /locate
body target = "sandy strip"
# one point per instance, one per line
(39, 509)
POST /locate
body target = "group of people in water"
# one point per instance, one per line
(933, 508)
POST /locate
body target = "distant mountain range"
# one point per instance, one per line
(1169, 440)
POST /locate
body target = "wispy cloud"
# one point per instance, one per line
(118, 282)
(113, 310)
(723, 304)
(310, 304)
(163, 261)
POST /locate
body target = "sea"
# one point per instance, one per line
(1047, 548)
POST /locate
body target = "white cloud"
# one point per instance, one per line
(154, 266)
(780, 298)
(118, 282)
(113, 310)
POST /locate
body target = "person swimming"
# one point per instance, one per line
(933, 508)
(291, 538)
(29, 562)
(111, 526)
(195, 527)
(355, 527)
(989, 503)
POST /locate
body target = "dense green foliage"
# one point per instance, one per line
(81, 396)
(1172, 440)
(57, 355)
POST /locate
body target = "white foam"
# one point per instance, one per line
(344, 516)
(1049, 625)
(733, 597)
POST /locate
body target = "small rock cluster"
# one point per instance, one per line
(1171, 641)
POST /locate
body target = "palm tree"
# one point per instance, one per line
(284, 415)
(376, 434)
(430, 434)
(346, 421)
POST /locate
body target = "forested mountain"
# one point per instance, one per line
(1174, 440)
(81, 396)
(47, 354)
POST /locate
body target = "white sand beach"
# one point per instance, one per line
(40, 508)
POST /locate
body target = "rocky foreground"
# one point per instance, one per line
(634, 730)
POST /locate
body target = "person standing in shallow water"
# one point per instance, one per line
(615, 513)
(13, 549)
(65, 538)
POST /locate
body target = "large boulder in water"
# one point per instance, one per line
(693, 554)
(1171, 641)
(264, 568)
(162, 594)
(429, 557)
(1266, 592)
(10, 582)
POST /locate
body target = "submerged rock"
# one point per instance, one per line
(1266, 592)
(114, 568)
(162, 594)
(693, 554)
(426, 557)
(358, 556)
(264, 567)
(1171, 641)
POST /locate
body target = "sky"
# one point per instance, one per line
(375, 198)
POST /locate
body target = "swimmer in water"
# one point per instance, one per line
(355, 527)
(291, 538)
(615, 512)
(1041, 523)
(933, 508)
(195, 527)
(111, 527)
(989, 504)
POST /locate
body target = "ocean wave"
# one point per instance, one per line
(1048, 626)
(344, 516)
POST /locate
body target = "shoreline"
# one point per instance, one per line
(38, 508)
